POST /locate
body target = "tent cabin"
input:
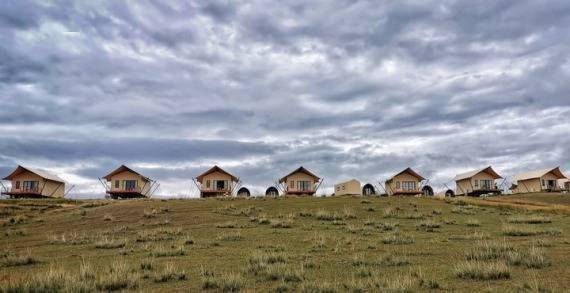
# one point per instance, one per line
(538, 181)
(243, 192)
(300, 182)
(368, 189)
(216, 182)
(272, 191)
(350, 187)
(28, 182)
(127, 183)
(407, 182)
(477, 182)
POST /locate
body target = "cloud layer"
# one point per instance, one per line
(345, 88)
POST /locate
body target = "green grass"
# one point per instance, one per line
(341, 244)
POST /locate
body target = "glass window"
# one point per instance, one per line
(117, 184)
(130, 184)
(292, 184)
(31, 185)
(303, 185)
(207, 183)
(409, 185)
(17, 184)
(397, 184)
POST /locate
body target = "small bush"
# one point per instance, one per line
(170, 274)
(428, 225)
(229, 237)
(477, 270)
(398, 239)
(166, 252)
(511, 230)
(534, 219)
(107, 243)
(19, 260)
(472, 223)
(281, 223)
(532, 259)
(108, 217)
(327, 216)
(228, 225)
(147, 264)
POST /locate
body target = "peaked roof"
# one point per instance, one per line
(44, 174)
(124, 168)
(302, 170)
(215, 169)
(489, 170)
(539, 173)
(409, 171)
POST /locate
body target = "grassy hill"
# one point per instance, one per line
(286, 244)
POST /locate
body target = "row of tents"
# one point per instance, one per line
(125, 182)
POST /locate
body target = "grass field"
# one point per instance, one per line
(284, 245)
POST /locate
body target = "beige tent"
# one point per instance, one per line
(477, 182)
(128, 183)
(407, 182)
(300, 182)
(545, 180)
(216, 182)
(28, 182)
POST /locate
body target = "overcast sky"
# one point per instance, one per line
(347, 89)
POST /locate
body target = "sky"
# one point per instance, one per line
(348, 89)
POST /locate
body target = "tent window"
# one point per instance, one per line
(130, 184)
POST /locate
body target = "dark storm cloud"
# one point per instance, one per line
(346, 88)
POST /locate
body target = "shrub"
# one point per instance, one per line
(147, 264)
(511, 230)
(428, 225)
(281, 223)
(229, 236)
(532, 259)
(106, 243)
(534, 219)
(166, 252)
(489, 250)
(19, 260)
(327, 216)
(228, 225)
(477, 270)
(118, 278)
(169, 273)
(227, 282)
(390, 212)
(398, 239)
(108, 217)
(472, 223)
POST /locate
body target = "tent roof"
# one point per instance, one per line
(44, 174)
(351, 180)
(489, 170)
(301, 170)
(409, 171)
(124, 168)
(539, 173)
(215, 169)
